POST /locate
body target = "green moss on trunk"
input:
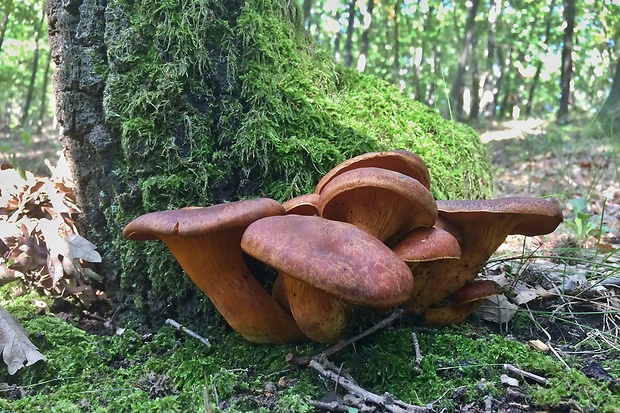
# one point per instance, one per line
(217, 101)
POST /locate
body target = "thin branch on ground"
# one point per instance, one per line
(416, 348)
(526, 374)
(386, 401)
(188, 332)
(398, 313)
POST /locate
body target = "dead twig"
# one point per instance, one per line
(385, 401)
(416, 347)
(398, 313)
(188, 332)
(526, 374)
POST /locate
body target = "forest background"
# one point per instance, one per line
(482, 63)
(470, 61)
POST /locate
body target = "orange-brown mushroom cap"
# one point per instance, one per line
(405, 162)
(384, 203)
(306, 204)
(422, 248)
(207, 244)
(337, 258)
(463, 302)
(481, 226)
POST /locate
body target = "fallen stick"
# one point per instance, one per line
(398, 313)
(416, 347)
(512, 369)
(188, 332)
(386, 401)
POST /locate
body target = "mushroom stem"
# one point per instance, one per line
(321, 316)
(236, 294)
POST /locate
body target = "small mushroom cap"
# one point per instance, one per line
(405, 162)
(384, 203)
(464, 302)
(333, 256)
(306, 204)
(475, 290)
(427, 244)
(192, 221)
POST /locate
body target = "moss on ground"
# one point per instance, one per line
(139, 371)
(218, 100)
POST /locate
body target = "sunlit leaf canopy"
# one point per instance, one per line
(512, 70)
(25, 65)
(417, 44)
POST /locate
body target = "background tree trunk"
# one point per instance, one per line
(489, 100)
(365, 43)
(566, 76)
(609, 114)
(456, 94)
(348, 48)
(5, 21)
(532, 90)
(33, 73)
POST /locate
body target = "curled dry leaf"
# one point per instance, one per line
(39, 242)
(17, 350)
(497, 309)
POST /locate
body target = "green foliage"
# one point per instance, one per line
(584, 224)
(17, 54)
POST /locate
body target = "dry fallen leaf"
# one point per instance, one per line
(17, 350)
(497, 309)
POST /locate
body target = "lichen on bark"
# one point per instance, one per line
(213, 101)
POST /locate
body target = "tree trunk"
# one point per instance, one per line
(5, 21)
(253, 115)
(609, 115)
(307, 9)
(488, 101)
(365, 43)
(458, 88)
(396, 46)
(474, 111)
(567, 61)
(539, 66)
(33, 74)
(348, 48)
(44, 92)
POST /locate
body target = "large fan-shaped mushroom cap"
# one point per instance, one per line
(207, 244)
(481, 226)
(339, 261)
(405, 162)
(384, 203)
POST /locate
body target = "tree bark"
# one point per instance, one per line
(76, 36)
(566, 76)
(456, 94)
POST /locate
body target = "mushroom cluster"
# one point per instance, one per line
(370, 235)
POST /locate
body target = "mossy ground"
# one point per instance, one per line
(165, 370)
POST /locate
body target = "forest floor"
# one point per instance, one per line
(565, 285)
